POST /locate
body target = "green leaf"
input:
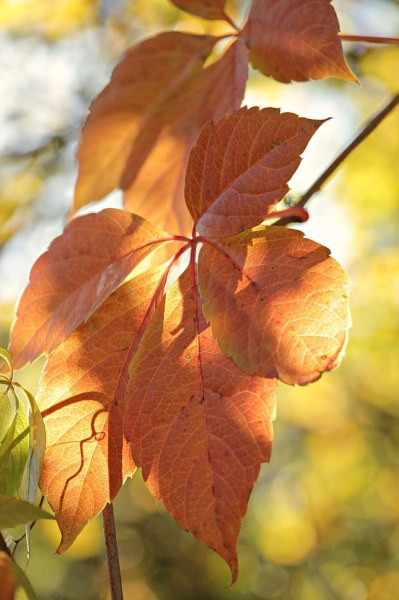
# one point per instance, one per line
(6, 357)
(15, 512)
(8, 412)
(14, 450)
(24, 587)
(37, 446)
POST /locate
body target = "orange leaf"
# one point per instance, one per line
(295, 40)
(74, 277)
(142, 126)
(198, 426)
(207, 9)
(276, 302)
(134, 98)
(240, 166)
(83, 400)
(157, 191)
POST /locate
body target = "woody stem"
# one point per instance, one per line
(315, 187)
(114, 571)
(371, 39)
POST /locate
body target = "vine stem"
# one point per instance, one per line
(114, 570)
(371, 39)
(315, 187)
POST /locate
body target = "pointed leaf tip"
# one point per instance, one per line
(14, 511)
(296, 40)
(83, 396)
(240, 168)
(199, 427)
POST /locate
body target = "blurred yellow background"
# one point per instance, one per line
(323, 520)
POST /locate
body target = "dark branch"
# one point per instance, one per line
(114, 571)
(372, 124)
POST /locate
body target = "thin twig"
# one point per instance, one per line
(114, 571)
(368, 39)
(372, 124)
(31, 526)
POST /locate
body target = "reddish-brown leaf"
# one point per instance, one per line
(240, 166)
(277, 303)
(207, 9)
(7, 577)
(142, 126)
(73, 278)
(295, 40)
(199, 427)
(123, 112)
(83, 397)
(158, 187)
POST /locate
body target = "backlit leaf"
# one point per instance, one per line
(15, 445)
(37, 446)
(277, 303)
(142, 126)
(208, 9)
(240, 166)
(126, 118)
(77, 273)
(83, 399)
(295, 40)
(215, 91)
(6, 361)
(199, 427)
(15, 512)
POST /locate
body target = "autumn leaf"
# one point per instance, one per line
(182, 372)
(142, 126)
(7, 577)
(217, 90)
(240, 166)
(74, 277)
(207, 9)
(277, 303)
(83, 397)
(295, 40)
(136, 95)
(198, 426)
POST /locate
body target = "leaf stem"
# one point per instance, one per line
(114, 571)
(371, 39)
(369, 128)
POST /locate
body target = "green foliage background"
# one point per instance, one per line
(323, 521)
